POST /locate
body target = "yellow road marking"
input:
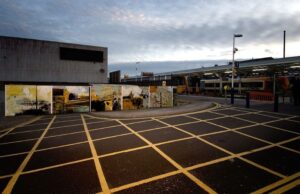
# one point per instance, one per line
(175, 164)
(15, 177)
(19, 125)
(64, 126)
(19, 141)
(124, 151)
(14, 154)
(235, 130)
(287, 187)
(6, 176)
(277, 184)
(189, 168)
(281, 129)
(57, 166)
(145, 181)
(100, 173)
(215, 105)
(226, 151)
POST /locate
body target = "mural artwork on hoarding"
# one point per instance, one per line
(161, 96)
(27, 99)
(68, 99)
(135, 97)
(32, 99)
(44, 97)
(106, 97)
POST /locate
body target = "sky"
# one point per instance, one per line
(162, 35)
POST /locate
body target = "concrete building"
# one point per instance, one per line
(27, 61)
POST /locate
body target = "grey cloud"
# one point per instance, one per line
(147, 27)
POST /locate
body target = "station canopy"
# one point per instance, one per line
(269, 66)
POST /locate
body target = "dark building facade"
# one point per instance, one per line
(27, 61)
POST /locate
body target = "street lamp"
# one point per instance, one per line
(136, 70)
(232, 73)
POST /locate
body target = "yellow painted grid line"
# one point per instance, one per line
(58, 128)
(197, 121)
(15, 177)
(215, 105)
(281, 129)
(6, 176)
(158, 144)
(277, 184)
(235, 130)
(34, 124)
(4, 130)
(20, 125)
(66, 126)
(124, 151)
(228, 152)
(98, 166)
(144, 181)
(175, 164)
(163, 142)
(27, 131)
(287, 187)
(14, 154)
(19, 141)
(66, 145)
(57, 165)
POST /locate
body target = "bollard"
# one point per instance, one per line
(247, 100)
(276, 102)
(232, 96)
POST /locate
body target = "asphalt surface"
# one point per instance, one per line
(222, 149)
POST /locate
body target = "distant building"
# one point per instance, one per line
(27, 61)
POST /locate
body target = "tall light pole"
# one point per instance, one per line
(232, 73)
(136, 70)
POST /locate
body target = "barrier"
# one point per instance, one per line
(262, 96)
(39, 99)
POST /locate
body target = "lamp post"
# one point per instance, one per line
(232, 72)
(136, 70)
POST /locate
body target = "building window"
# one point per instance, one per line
(81, 55)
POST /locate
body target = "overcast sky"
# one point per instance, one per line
(160, 30)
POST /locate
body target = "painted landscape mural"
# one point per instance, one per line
(161, 96)
(44, 99)
(32, 99)
(135, 97)
(27, 99)
(69, 99)
(106, 97)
